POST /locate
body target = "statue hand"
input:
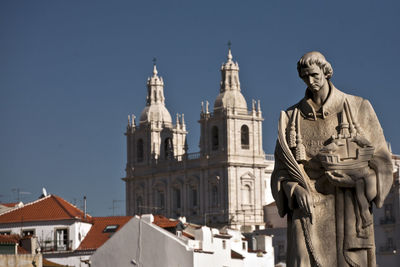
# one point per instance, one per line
(304, 200)
(340, 179)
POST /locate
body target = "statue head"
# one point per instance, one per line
(318, 59)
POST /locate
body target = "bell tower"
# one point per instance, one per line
(155, 139)
(231, 136)
(231, 129)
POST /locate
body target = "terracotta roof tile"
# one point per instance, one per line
(10, 205)
(164, 222)
(96, 236)
(47, 263)
(50, 208)
(9, 239)
(235, 255)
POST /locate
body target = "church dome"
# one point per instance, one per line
(155, 113)
(232, 99)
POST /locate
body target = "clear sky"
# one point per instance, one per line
(71, 71)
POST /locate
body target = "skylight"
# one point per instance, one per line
(111, 228)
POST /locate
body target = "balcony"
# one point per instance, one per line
(270, 157)
(387, 249)
(387, 220)
(55, 245)
(245, 146)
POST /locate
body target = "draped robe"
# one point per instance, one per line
(333, 237)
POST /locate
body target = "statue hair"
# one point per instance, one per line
(317, 58)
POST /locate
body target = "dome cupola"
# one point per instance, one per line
(230, 95)
(155, 110)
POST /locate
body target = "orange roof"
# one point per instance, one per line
(235, 255)
(10, 205)
(47, 263)
(9, 239)
(96, 236)
(164, 222)
(14, 239)
(49, 208)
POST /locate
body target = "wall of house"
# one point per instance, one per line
(68, 259)
(142, 243)
(22, 260)
(45, 231)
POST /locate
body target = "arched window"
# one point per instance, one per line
(139, 150)
(246, 194)
(168, 148)
(214, 138)
(177, 198)
(244, 137)
(214, 195)
(160, 200)
(139, 205)
(193, 197)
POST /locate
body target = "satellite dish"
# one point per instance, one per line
(44, 192)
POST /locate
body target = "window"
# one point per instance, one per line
(244, 137)
(246, 194)
(193, 196)
(168, 148)
(223, 244)
(244, 245)
(160, 200)
(388, 211)
(139, 150)
(111, 228)
(177, 198)
(5, 233)
(214, 138)
(62, 241)
(214, 193)
(139, 204)
(28, 232)
(390, 242)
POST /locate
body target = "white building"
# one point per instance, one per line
(66, 234)
(223, 184)
(387, 223)
(141, 242)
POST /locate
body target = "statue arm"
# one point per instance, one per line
(381, 163)
(282, 186)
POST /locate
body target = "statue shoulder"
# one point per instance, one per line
(289, 111)
(359, 104)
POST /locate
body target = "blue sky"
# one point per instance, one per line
(71, 72)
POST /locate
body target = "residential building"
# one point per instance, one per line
(157, 241)
(66, 235)
(225, 183)
(19, 252)
(387, 223)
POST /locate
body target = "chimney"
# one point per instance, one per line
(84, 206)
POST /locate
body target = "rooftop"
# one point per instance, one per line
(49, 208)
(103, 228)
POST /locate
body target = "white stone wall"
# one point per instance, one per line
(141, 243)
(46, 230)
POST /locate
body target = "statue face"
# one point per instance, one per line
(314, 77)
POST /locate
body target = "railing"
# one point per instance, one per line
(245, 146)
(195, 155)
(387, 249)
(388, 220)
(270, 157)
(55, 245)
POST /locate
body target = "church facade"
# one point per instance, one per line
(225, 183)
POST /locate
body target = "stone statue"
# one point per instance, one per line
(331, 163)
